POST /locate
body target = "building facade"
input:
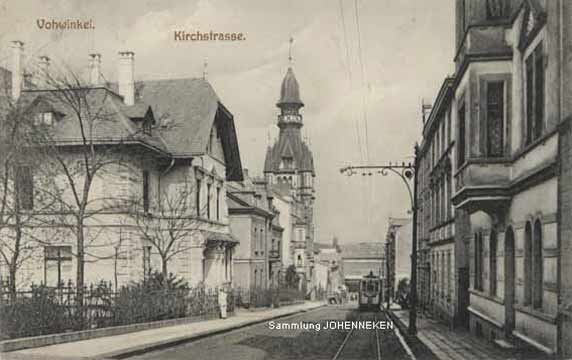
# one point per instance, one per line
(252, 220)
(158, 142)
(442, 261)
(510, 112)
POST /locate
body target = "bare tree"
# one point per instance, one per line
(27, 189)
(169, 223)
(81, 155)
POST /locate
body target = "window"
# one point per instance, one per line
(493, 263)
(198, 198)
(449, 287)
(147, 126)
(497, 9)
(261, 241)
(256, 241)
(145, 191)
(495, 118)
(25, 187)
(527, 263)
(537, 266)
(462, 136)
(58, 265)
(449, 126)
(44, 118)
(146, 261)
(443, 272)
(479, 261)
(209, 186)
(534, 69)
(218, 203)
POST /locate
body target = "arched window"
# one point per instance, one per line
(478, 257)
(537, 268)
(527, 263)
(493, 263)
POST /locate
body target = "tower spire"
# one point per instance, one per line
(290, 58)
(205, 69)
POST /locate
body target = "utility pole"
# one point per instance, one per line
(407, 172)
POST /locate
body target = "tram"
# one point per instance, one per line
(370, 292)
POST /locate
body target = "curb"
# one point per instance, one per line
(159, 345)
(419, 348)
(67, 337)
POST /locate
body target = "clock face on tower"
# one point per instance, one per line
(291, 118)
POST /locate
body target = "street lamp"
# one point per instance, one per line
(407, 172)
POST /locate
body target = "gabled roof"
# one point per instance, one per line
(186, 110)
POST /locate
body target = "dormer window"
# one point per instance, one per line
(147, 127)
(44, 118)
(287, 163)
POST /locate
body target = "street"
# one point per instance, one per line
(262, 342)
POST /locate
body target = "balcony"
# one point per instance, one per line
(483, 41)
(482, 183)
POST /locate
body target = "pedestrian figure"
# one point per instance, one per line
(222, 302)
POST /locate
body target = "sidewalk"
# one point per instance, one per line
(459, 344)
(111, 346)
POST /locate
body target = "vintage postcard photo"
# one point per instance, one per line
(304, 179)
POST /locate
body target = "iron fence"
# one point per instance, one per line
(45, 310)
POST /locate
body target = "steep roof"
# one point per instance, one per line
(111, 119)
(363, 250)
(289, 145)
(290, 90)
(186, 111)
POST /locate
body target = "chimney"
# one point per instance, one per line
(44, 71)
(126, 81)
(95, 78)
(17, 70)
(245, 173)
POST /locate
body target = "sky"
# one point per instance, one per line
(362, 93)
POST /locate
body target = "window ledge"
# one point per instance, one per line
(487, 296)
(537, 313)
(534, 144)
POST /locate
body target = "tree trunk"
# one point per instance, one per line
(164, 270)
(13, 266)
(80, 272)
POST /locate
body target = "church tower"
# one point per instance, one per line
(289, 162)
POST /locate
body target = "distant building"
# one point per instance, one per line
(397, 253)
(252, 221)
(360, 259)
(329, 274)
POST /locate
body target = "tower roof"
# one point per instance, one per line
(290, 90)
